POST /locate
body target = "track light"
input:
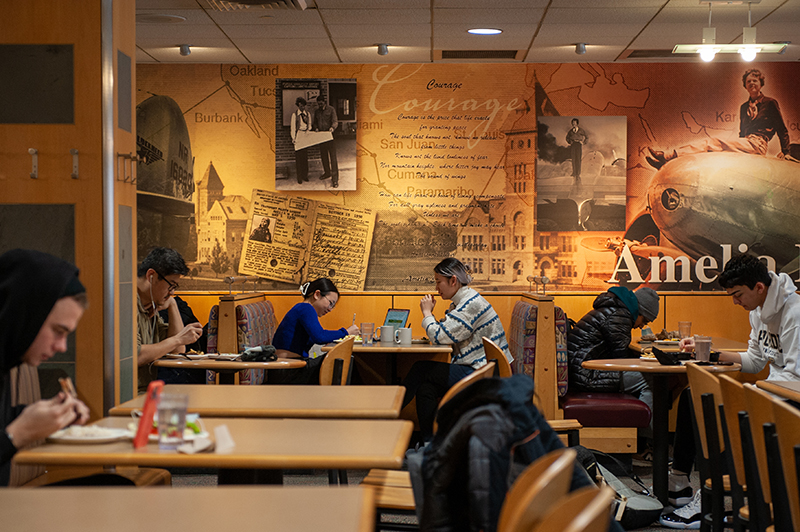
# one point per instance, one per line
(580, 48)
(383, 49)
(185, 49)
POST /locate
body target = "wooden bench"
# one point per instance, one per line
(538, 341)
(238, 322)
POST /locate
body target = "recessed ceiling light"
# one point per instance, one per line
(155, 18)
(484, 31)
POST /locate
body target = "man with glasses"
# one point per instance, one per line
(157, 281)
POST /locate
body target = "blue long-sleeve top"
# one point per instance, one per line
(300, 329)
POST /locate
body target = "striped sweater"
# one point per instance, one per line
(469, 318)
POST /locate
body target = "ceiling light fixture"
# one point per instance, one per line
(485, 31)
(383, 49)
(580, 48)
(748, 49)
(185, 49)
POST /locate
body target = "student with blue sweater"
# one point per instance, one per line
(300, 329)
(469, 318)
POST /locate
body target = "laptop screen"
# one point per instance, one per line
(396, 317)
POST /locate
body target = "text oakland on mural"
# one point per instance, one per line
(590, 174)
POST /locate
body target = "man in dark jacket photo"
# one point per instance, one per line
(605, 332)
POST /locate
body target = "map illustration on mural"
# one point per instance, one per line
(581, 173)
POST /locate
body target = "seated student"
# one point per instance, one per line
(605, 332)
(469, 318)
(41, 302)
(157, 280)
(300, 329)
(774, 308)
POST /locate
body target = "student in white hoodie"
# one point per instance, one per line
(774, 339)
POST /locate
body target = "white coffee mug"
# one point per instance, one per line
(403, 336)
(386, 334)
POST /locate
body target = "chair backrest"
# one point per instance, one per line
(482, 373)
(703, 382)
(584, 510)
(733, 402)
(494, 353)
(787, 423)
(536, 490)
(343, 352)
(759, 408)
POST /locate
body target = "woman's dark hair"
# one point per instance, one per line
(323, 284)
(451, 267)
(744, 270)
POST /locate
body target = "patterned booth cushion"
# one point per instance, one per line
(522, 339)
(562, 365)
(255, 324)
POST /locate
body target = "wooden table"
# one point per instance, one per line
(163, 509)
(392, 349)
(276, 401)
(786, 389)
(717, 344)
(261, 444)
(661, 405)
(227, 369)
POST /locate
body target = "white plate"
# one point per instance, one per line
(667, 343)
(188, 434)
(90, 434)
(224, 356)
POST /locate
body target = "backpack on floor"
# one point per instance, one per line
(635, 506)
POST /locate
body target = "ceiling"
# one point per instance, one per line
(422, 31)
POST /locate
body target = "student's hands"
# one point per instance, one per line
(189, 334)
(353, 330)
(43, 418)
(169, 302)
(687, 344)
(426, 305)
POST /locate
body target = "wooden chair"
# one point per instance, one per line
(706, 395)
(328, 372)
(730, 404)
(536, 490)
(494, 353)
(761, 424)
(787, 424)
(584, 510)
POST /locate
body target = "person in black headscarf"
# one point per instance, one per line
(41, 302)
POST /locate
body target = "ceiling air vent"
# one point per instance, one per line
(654, 54)
(223, 5)
(480, 54)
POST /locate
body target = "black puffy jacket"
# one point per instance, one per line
(604, 332)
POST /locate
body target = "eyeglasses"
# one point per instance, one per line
(331, 304)
(173, 287)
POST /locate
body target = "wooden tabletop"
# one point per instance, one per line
(260, 444)
(281, 363)
(391, 347)
(275, 401)
(649, 366)
(164, 509)
(785, 389)
(718, 343)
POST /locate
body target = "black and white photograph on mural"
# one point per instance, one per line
(580, 173)
(315, 134)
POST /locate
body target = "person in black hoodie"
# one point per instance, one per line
(41, 302)
(605, 332)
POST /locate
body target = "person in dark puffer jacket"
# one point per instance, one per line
(605, 332)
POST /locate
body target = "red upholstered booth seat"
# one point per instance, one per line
(593, 409)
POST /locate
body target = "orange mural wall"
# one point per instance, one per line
(446, 156)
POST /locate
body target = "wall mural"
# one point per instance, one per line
(682, 165)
